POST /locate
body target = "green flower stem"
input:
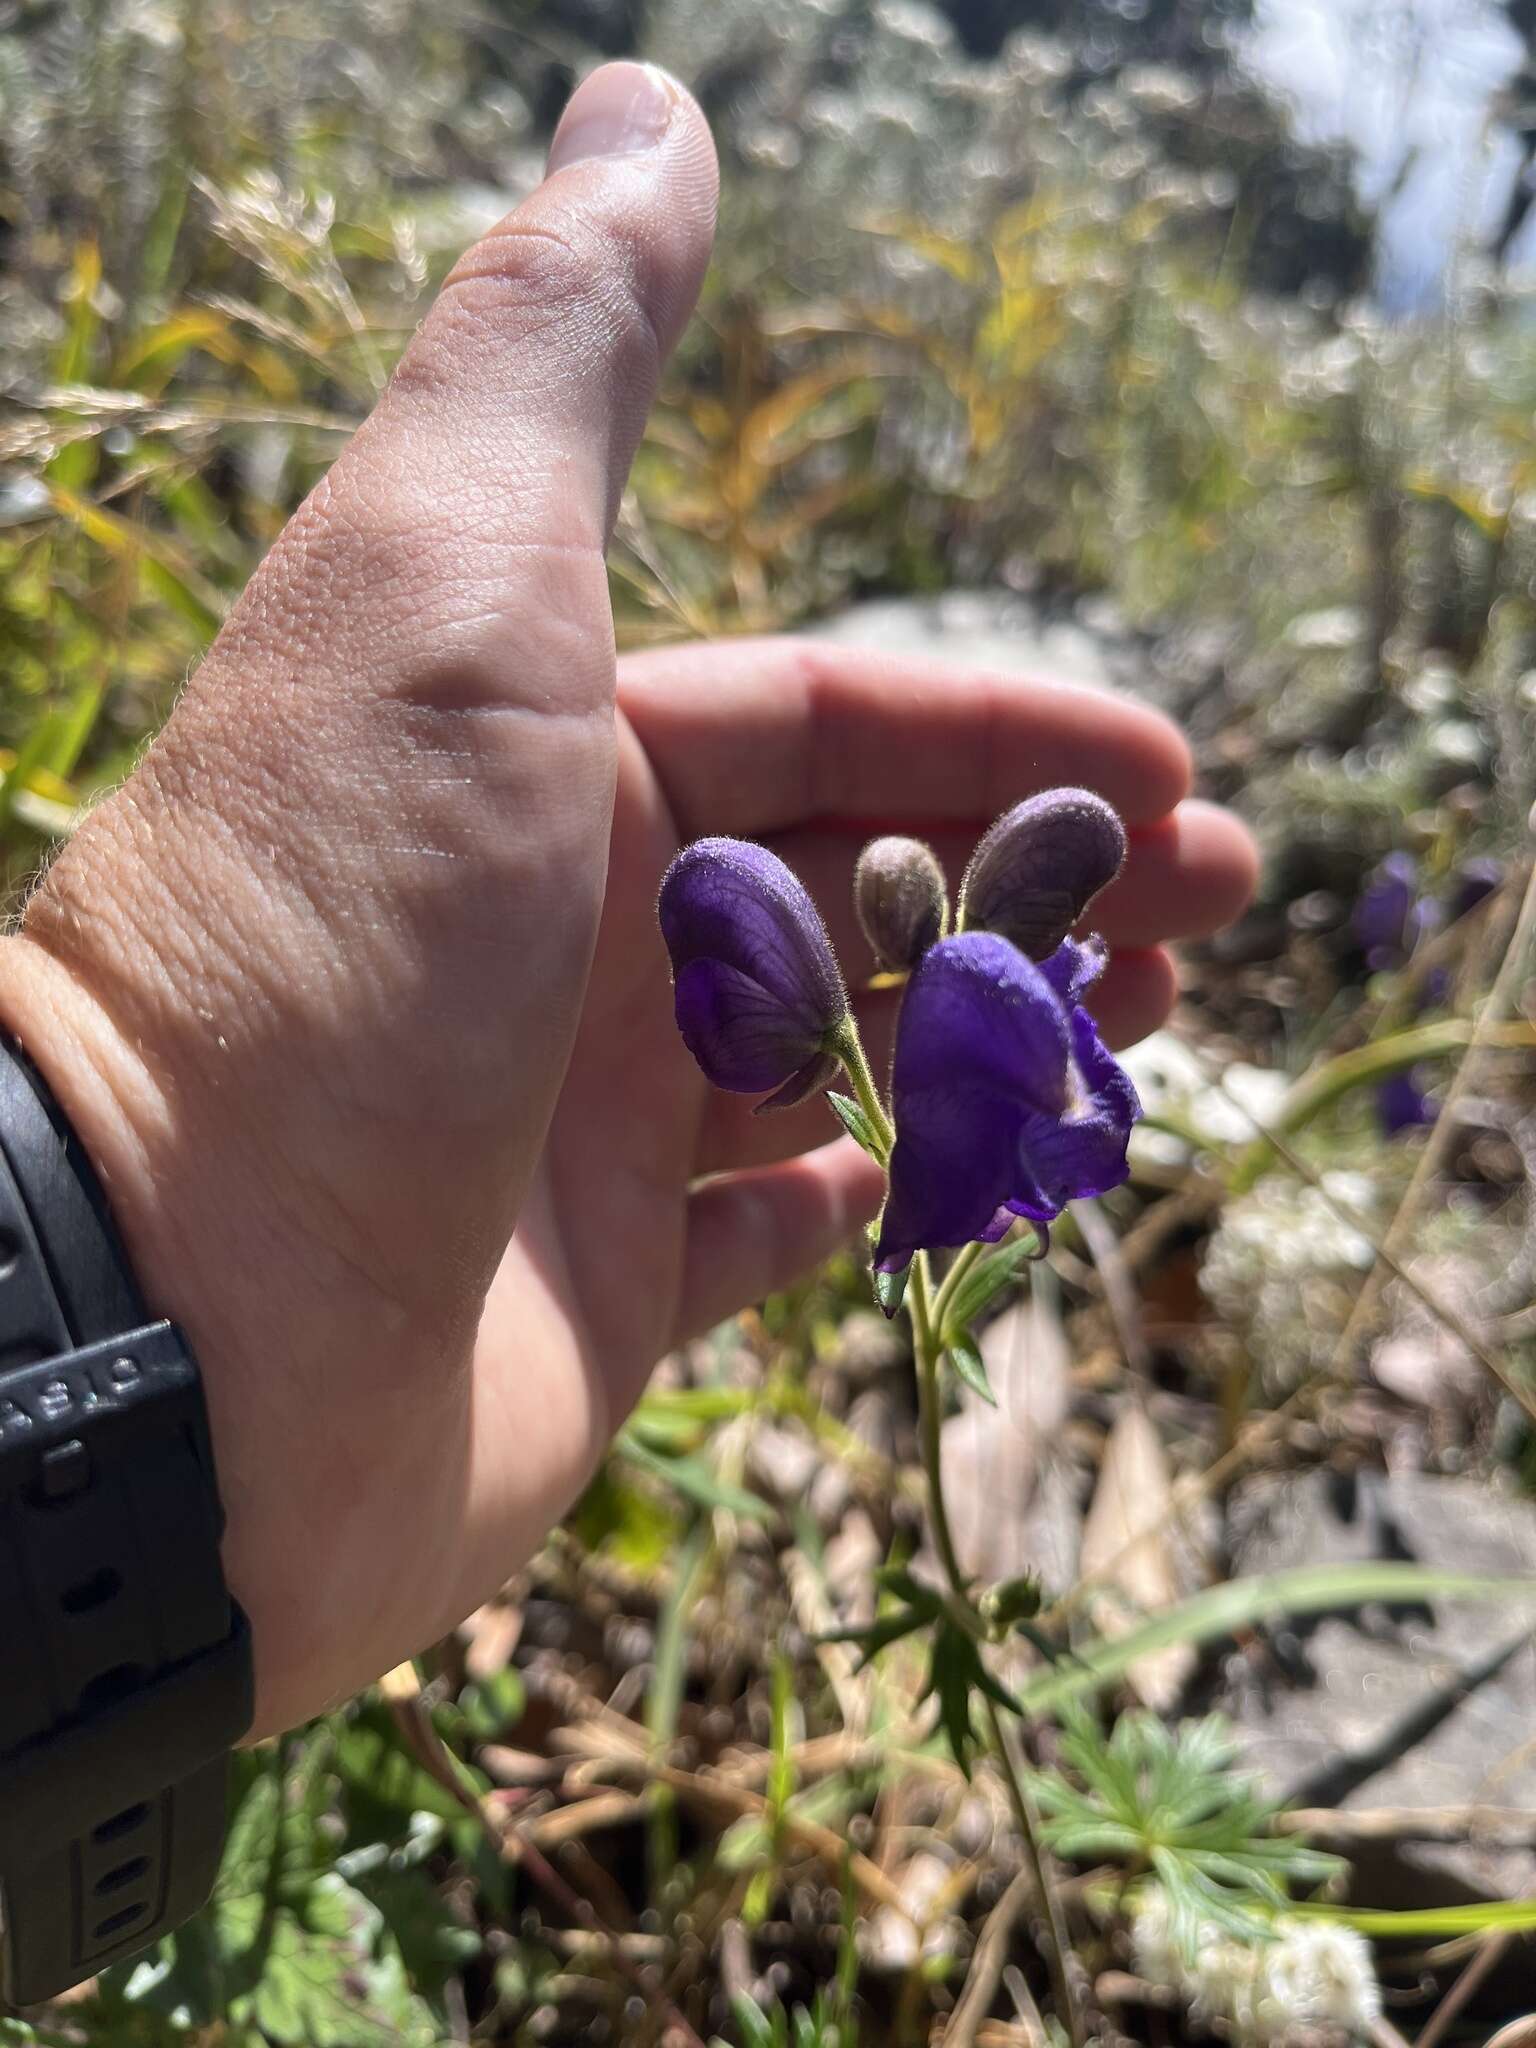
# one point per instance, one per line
(929, 1350)
(965, 1258)
(928, 1332)
(847, 1046)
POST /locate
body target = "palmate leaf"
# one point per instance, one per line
(1148, 1795)
(955, 1675)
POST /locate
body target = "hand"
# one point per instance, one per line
(368, 1034)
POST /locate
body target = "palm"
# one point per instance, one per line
(616, 1255)
(624, 1142)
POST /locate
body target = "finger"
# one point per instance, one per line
(1184, 877)
(758, 736)
(750, 1233)
(1136, 994)
(336, 873)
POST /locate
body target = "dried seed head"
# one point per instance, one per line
(1036, 870)
(899, 897)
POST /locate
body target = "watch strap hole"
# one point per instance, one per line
(117, 1923)
(121, 1824)
(123, 1875)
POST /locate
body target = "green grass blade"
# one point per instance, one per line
(1434, 1923)
(1222, 1610)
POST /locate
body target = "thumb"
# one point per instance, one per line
(341, 916)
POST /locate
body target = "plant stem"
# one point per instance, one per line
(965, 1258)
(928, 1417)
(928, 1335)
(848, 1047)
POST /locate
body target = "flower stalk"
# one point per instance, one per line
(927, 1335)
(845, 1045)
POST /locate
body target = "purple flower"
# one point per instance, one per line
(1384, 916)
(1402, 1105)
(1036, 870)
(1006, 1101)
(756, 986)
(1472, 883)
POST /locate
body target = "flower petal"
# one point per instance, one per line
(954, 1160)
(1075, 966)
(978, 1015)
(982, 1040)
(728, 900)
(741, 1035)
(1083, 1153)
(819, 1072)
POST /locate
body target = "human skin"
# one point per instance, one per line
(354, 991)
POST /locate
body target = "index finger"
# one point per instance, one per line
(751, 736)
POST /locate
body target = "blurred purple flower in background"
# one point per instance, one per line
(1402, 1105)
(1473, 882)
(1006, 1101)
(756, 986)
(1384, 914)
(1392, 917)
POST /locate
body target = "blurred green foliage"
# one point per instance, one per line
(1033, 349)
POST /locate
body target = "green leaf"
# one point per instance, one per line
(756, 2029)
(384, 1782)
(988, 1278)
(857, 1124)
(433, 1941)
(1222, 1610)
(967, 1361)
(955, 1673)
(891, 1288)
(693, 1478)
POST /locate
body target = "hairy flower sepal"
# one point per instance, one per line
(900, 901)
(759, 999)
(1036, 870)
(1006, 1101)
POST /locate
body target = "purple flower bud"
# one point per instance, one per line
(900, 900)
(756, 986)
(1036, 870)
(1384, 915)
(1006, 1101)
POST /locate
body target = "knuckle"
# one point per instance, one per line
(579, 290)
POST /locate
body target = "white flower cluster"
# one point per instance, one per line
(1283, 1268)
(1264, 1993)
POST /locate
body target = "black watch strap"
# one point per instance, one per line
(125, 1666)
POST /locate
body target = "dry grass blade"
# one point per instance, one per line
(985, 1972)
(1127, 1549)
